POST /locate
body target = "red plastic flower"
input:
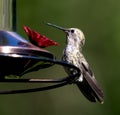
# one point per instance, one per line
(38, 39)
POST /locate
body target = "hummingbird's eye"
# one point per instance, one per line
(72, 31)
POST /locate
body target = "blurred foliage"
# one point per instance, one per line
(100, 22)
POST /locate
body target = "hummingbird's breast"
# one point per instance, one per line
(71, 55)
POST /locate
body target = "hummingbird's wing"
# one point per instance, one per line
(89, 86)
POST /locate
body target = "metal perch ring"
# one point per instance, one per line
(57, 82)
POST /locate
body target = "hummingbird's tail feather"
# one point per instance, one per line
(86, 91)
(90, 88)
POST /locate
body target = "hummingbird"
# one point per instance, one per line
(72, 54)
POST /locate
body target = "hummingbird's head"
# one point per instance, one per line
(74, 35)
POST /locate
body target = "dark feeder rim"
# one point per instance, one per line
(55, 82)
(21, 52)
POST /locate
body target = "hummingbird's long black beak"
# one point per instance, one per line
(58, 27)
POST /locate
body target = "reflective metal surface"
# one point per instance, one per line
(11, 46)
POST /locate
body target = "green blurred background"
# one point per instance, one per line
(100, 22)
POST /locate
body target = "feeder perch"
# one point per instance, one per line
(18, 56)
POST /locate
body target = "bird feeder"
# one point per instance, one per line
(18, 56)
